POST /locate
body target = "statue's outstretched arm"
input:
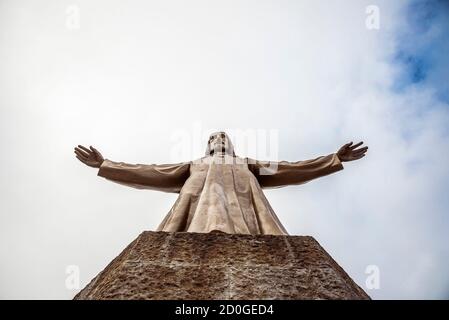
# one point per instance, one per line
(163, 177)
(279, 174)
(284, 173)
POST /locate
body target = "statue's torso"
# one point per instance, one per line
(221, 193)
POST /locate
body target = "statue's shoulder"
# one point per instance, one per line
(249, 161)
(240, 160)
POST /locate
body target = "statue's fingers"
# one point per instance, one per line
(97, 153)
(84, 148)
(81, 152)
(356, 145)
(92, 149)
(360, 151)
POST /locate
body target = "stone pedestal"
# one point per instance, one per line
(162, 265)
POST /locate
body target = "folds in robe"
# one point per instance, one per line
(220, 192)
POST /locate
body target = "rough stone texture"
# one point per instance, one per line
(196, 266)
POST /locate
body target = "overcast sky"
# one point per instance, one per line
(130, 77)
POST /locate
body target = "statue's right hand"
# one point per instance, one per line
(92, 157)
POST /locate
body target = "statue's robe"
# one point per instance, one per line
(220, 192)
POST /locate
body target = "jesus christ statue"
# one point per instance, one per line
(220, 191)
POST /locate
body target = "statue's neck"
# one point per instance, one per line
(221, 154)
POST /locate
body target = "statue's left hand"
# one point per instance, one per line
(92, 157)
(349, 152)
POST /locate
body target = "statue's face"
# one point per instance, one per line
(219, 142)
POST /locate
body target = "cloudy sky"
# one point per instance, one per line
(131, 77)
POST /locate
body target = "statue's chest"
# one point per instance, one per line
(219, 169)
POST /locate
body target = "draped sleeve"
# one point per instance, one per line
(162, 177)
(279, 174)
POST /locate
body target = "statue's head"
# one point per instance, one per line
(219, 142)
